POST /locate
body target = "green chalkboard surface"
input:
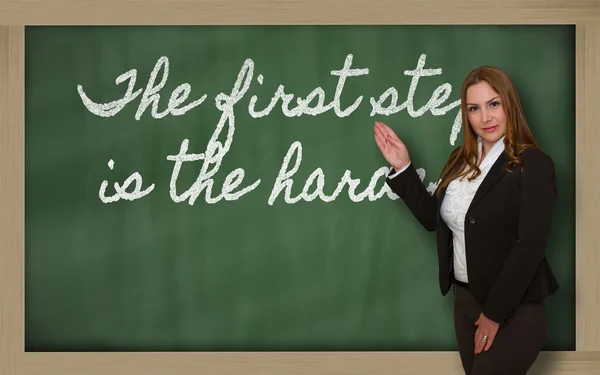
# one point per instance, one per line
(235, 201)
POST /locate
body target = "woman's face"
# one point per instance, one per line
(486, 113)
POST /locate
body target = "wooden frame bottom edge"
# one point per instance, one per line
(230, 363)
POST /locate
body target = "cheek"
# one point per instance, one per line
(502, 116)
(473, 119)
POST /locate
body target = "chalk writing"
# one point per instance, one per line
(150, 95)
(303, 105)
(121, 191)
(285, 182)
(439, 96)
(313, 104)
(215, 151)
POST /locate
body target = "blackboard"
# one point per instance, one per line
(257, 271)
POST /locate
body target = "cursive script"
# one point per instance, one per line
(215, 151)
(387, 104)
(121, 190)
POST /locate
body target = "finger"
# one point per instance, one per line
(383, 127)
(480, 347)
(388, 131)
(476, 340)
(382, 141)
(380, 144)
(489, 343)
(390, 141)
(480, 344)
(381, 124)
(380, 133)
(396, 142)
(378, 141)
(384, 146)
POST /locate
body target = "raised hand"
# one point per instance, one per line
(392, 148)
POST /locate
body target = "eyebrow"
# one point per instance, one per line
(492, 99)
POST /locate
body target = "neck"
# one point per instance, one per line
(486, 148)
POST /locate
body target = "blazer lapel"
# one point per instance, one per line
(439, 203)
(494, 174)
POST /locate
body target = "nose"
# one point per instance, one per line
(485, 116)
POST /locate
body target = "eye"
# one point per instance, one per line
(471, 109)
(495, 103)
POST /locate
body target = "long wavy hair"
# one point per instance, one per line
(462, 161)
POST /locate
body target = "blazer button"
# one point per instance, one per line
(472, 220)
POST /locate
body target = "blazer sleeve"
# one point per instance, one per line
(410, 188)
(538, 195)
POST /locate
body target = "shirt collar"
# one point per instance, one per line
(494, 152)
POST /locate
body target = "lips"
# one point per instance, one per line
(490, 129)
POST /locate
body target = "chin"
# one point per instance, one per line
(491, 138)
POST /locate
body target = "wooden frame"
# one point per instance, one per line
(585, 14)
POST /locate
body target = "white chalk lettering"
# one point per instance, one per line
(439, 96)
(318, 93)
(215, 151)
(456, 126)
(204, 181)
(121, 191)
(112, 108)
(316, 102)
(284, 183)
(343, 74)
(150, 95)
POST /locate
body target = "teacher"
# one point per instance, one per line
(492, 211)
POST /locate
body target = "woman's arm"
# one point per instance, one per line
(406, 183)
(410, 188)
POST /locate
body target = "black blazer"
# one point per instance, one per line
(506, 232)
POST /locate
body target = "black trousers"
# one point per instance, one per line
(517, 343)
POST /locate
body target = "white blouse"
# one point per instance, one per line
(457, 200)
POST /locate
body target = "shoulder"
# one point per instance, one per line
(536, 156)
(535, 159)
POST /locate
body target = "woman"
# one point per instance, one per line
(491, 212)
